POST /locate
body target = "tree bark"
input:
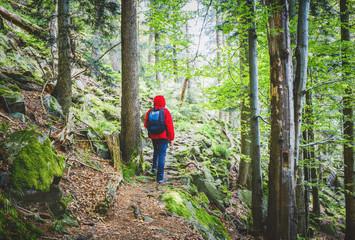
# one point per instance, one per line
(307, 179)
(63, 89)
(244, 108)
(299, 88)
(348, 124)
(159, 76)
(282, 222)
(218, 55)
(257, 181)
(131, 143)
(314, 178)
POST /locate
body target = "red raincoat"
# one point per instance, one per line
(159, 102)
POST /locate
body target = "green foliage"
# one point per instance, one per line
(221, 151)
(128, 173)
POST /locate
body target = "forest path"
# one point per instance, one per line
(137, 212)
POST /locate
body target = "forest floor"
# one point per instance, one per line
(136, 213)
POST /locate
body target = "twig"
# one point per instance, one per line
(93, 140)
(44, 110)
(86, 165)
(87, 125)
(199, 38)
(263, 120)
(7, 118)
(319, 143)
(87, 68)
(44, 75)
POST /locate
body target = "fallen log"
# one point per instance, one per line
(23, 23)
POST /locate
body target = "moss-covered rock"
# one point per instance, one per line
(35, 165)
(12, 100)
(206, 183)
(180, 202)
(36, 170)
(11, 227)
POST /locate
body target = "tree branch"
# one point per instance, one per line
(96, 60)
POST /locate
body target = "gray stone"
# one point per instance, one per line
(12, 100)
(19, 116)
(52, 105)
(206, 184)
(328, 228)
(195, 150)
(147, 219)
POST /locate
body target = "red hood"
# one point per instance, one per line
(159, 101)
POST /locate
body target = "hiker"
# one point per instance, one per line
(160, 127)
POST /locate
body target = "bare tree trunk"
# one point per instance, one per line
(282, 222)
(314, 178)
(63, 89)
(245, 110)
(348, 125)
(150, 43)
(307, 179)
(219, 55)
(299, 87)
(257, 181)
(159, 76)
(131, 143)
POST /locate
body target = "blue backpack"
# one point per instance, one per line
(156, 121)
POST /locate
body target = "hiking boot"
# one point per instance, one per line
(163, 180)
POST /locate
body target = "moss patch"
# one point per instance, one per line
(35, 165)
(11, 227)
(183, 204)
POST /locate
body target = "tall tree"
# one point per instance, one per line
(218, 53)
(348, 124)
(257, 181)
(299, 89)
(159, 76)
(63, 89)
(282, 223)
(131, 143)
(244, 166)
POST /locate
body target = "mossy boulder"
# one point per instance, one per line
(35, 165)
(183, 204)
(36, 169)
(12, 100)
(205, 183)
(11, 227)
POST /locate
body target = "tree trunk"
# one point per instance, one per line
(257, 182)
(282, 222)
(63, 89)
(299, 87)
(314, 178)
(131, 143)
(175, 64)
(245, 110)
(150, 43)
(348, 124)
(158, 75)
(218, 55)
(307, 179)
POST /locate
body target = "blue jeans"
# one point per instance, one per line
(160, 146)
